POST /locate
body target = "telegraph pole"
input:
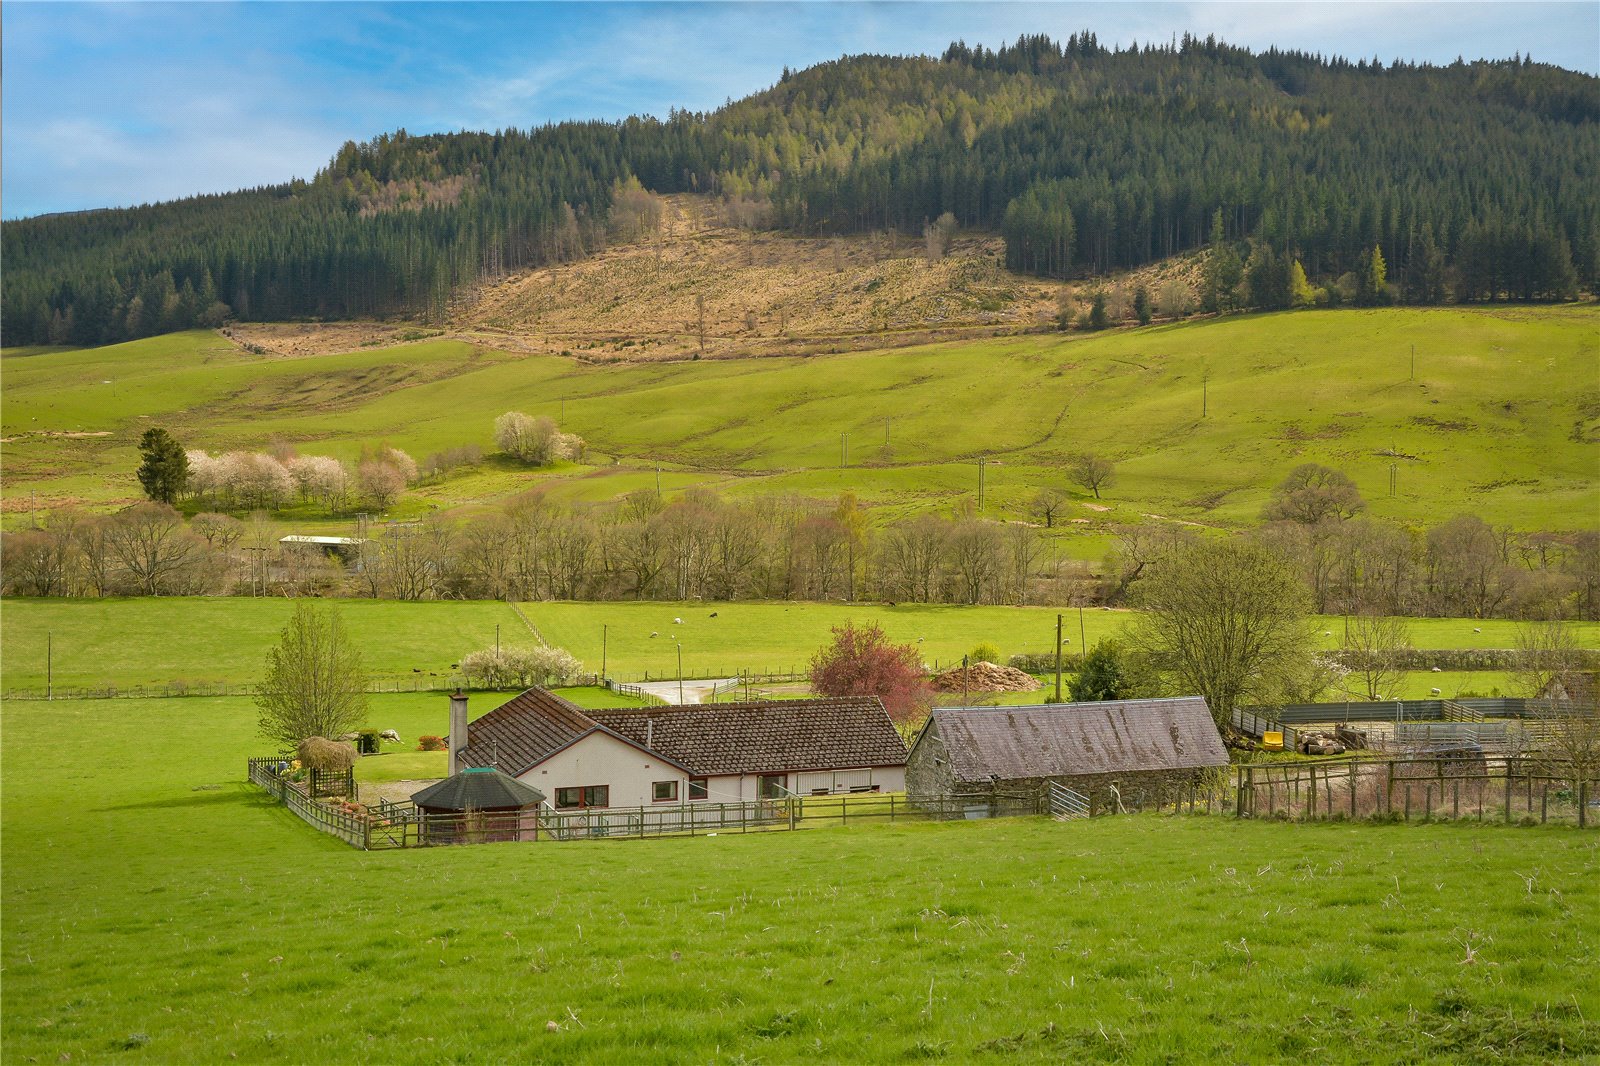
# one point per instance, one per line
(49, 665)
(680, 674)
(605, 633)
(981, 461)
(1058, 658)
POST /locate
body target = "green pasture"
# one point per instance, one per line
(155, 641)
(155, 908)
(1501, 418)
(161, 640)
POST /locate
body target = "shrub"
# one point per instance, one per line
(984, 652)
(430, 743)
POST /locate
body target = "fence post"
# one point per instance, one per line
(1388, 791)
(1583, 804)
(1352, 790)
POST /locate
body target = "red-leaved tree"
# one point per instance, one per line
(862, 662)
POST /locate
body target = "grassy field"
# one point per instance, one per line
(193, 639)
(1500, 418)
(157, 909)
(148, 641)
(154, 641)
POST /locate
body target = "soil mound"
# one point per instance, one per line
(985, 677)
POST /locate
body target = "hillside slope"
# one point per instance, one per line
(1502, 417)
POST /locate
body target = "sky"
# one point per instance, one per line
(127, 103)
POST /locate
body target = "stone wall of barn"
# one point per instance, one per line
(1137, 789)
(928, 771)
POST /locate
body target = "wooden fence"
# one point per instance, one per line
(271, 774)
(1444, 785)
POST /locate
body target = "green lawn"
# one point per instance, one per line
(157, 909)
(150, 641)
(1500, 418)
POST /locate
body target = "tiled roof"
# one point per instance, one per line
(1068, 739)
(523, 731)
(767, 737)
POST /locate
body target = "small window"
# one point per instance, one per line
(698, 789)
(773, 786)
(586, 796)
(664, 791)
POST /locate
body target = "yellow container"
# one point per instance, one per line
(1272, 741)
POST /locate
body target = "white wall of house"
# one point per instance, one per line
(734, 788)
(599, 759)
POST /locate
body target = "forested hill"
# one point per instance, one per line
(1473, 181)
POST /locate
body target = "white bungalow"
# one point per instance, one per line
(718, 753)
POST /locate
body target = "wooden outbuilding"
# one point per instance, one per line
(1116, 753)
(479, 804)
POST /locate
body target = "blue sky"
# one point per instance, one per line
(124, 103)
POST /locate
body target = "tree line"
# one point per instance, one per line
(700, 545)
(1473, 179)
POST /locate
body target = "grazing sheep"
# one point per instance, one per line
(677, 621)
(1475, 630)
(652, 633)
(1434, 691)
(713, 614)
(1437, 670)
(390, 735)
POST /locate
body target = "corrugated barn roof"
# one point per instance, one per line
(1071, 739)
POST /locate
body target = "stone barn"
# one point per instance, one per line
(1130, 750)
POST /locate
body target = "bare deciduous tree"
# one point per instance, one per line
(1226, 620)
(1048, 504)
(314, 685)
(1312, 493)
(1547, 659)
(1091, 471)
(1372, 648)
(152, 544)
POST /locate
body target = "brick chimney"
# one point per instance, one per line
(458, 728)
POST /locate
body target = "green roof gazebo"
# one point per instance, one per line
(479, 804)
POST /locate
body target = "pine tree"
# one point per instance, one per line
(164, 469)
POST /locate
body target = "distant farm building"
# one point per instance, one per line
(1106, 751)
(718, 753)
(345, 549)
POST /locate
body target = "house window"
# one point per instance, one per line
(698, 789)
(773, 786)
(664, 791)
(585, 796)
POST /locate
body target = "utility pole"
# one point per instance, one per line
(966, 682)
(1205, 388)
(982, 460)
(49, 665)
(844, 450)
(1058, 658)
(658, 479)
(497, 640)
(885, 432)
(33, 509)
(605, 633)
(680, 674)
(1083, 650)
(1413, 375)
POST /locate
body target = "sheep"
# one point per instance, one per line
(713, 614)
(653, 633)
(677, 621)
(1434, 691)
(390, 735)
